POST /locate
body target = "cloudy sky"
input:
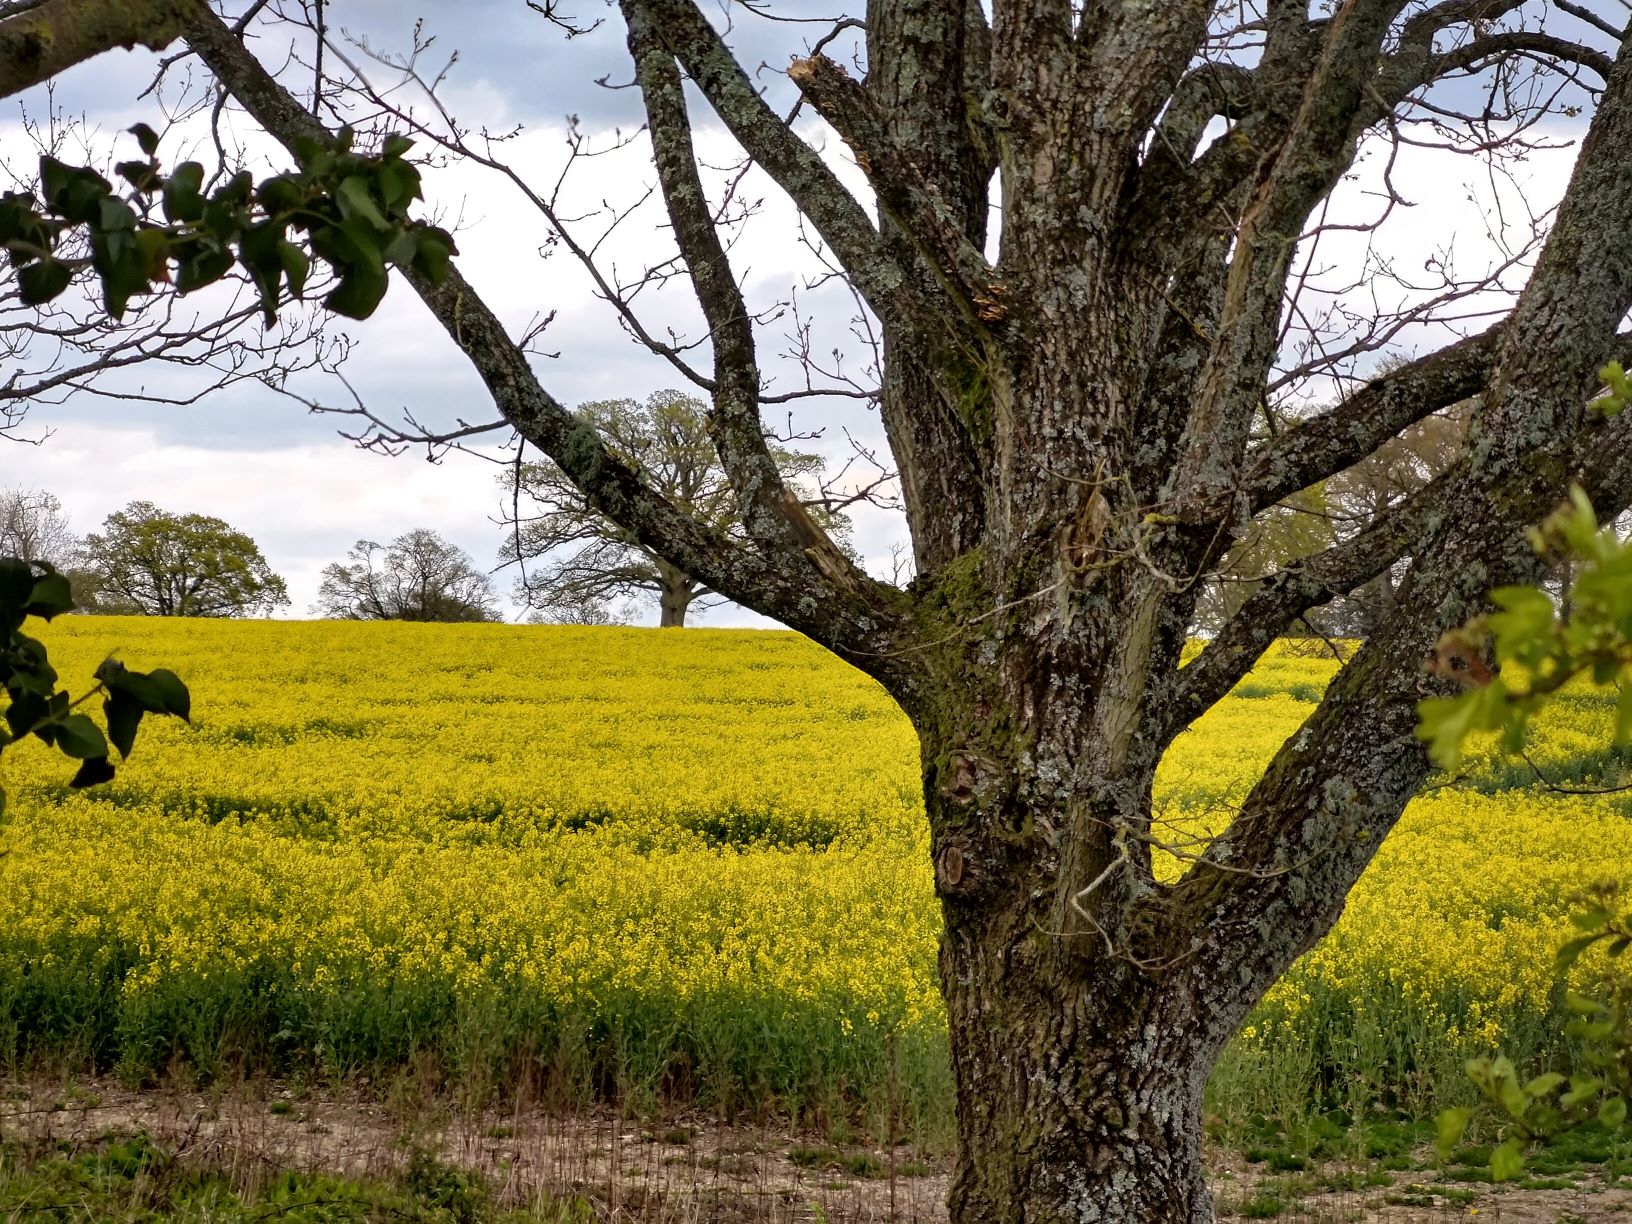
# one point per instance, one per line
(267, 466)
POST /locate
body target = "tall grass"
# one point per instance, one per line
(679, 869)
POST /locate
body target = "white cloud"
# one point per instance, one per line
(303, 505)
(306, 495)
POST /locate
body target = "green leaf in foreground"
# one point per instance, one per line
(124, 717)
(79, 737)
(1451, 1125)
(1507, 1161)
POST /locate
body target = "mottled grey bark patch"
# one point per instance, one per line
(1073, 428)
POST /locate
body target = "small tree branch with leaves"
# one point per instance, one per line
(36, 707)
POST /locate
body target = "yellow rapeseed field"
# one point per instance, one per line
(686, 863)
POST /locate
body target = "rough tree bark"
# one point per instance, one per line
(1074, 428)
(41, 38)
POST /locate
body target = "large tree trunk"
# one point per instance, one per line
(1074, 427)
(1078, 1100)
(1080, 1052)
(675, 598)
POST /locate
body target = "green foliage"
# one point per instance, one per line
(36, 706)
(156, 563)
(462, 1195)
(1298, 527)
(1547, 1106)
(348, 209)
(1535, 649)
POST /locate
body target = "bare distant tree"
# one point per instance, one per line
(590, 612)
(419, 576)
(1069, 384)
(581, 559)
(34, 528)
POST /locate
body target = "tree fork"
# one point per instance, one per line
(1076, 458)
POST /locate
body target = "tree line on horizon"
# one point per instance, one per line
(573, 564)
(148, 561)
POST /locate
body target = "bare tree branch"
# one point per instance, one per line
(856, 619)
(1533, 433)
(901, 188)
(739, 435)
(796, 167)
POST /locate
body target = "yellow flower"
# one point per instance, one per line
(711, 842)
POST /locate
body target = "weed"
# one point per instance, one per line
(1262, 1206)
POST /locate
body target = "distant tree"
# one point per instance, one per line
(584, 559)
(418, 577)
(1337, 509)
(150, 562)
(589, 612)
(1282, 535)
(1359, 496)
(34, 528)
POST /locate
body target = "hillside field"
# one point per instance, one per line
(676, 867)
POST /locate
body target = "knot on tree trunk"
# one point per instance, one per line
(960, 785)
(968, 780)
(969, 794)
(955, 873)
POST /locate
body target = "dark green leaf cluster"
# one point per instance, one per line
(36, 706)
(348, 209)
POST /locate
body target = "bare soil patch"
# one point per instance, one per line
(692, 1169)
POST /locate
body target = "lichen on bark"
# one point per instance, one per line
(39, 42)
(1072, 419)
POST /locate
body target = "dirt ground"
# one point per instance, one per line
(689, 1169)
